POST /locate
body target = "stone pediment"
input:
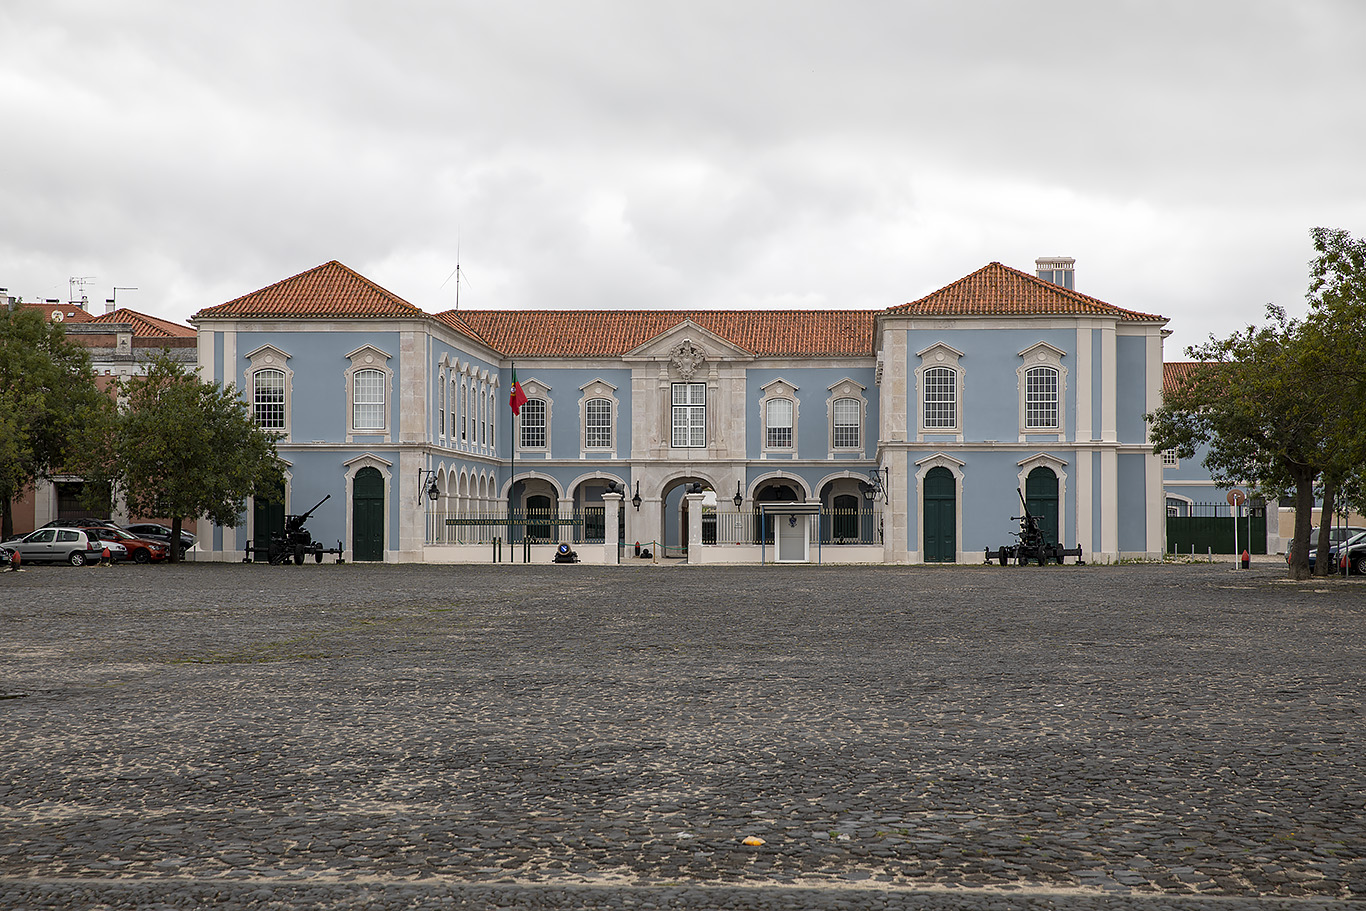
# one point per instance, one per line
(687, 346)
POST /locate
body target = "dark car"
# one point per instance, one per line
(1336, 535)
(1351, 556)
(151, 531)
(58, 545)
(81, 523)
(139, 550)
(6, 557)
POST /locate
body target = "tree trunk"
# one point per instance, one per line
(1330, 495)
(7, 520)
(1304, 523)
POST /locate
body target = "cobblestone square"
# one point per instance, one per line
(246, 736)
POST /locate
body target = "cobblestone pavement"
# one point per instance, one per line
(586, 737)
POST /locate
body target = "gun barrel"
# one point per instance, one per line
(1022, 503)
(315, 506)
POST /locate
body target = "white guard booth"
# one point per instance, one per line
(791, 524)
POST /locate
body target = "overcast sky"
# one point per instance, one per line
(640, 154)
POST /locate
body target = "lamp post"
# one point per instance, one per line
(635, 500)
(876, 486)
(739, 498)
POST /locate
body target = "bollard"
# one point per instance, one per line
(1247, 559)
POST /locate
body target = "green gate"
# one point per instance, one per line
(1214, 534)
(941, 544)
(367, 515)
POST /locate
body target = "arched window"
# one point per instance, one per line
(369, 395)
(268, 399)
(778, 424)
(533, 424)
(846, 424)
(941, 398)
(483, 416)
(441, 404)
(598, 423)
(452, 402)
(1041, 397)
(466, 426)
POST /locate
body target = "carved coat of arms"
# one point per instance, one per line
(686, 358)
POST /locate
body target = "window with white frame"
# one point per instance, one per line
(483, 416)
(533, 424)
(1169, 459)
(778, 424)
(466, 425)
(1041, 398)
(941, 398)
(847, 423)
(368, 399)
(689, 415)
(597, 424)
(268, 398)
(441, 404)
(454, 388)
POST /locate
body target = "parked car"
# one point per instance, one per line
(137, 549)
(81, 523)
(58, 545)
(151, 531)
(1336, 535)
(1352, 556)
(6, 557)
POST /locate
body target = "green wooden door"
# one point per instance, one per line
(367, 515)
(269, 519)
(1041, 496)
(941, 514)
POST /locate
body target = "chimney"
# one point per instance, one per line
(109, 305)
(1056, 269)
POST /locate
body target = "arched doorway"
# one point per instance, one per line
(674, 533)
(367, 515)
(781, 491)
(1041, 498)
(941, 516)
(539, 510)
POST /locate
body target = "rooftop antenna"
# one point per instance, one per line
(455, 274)
(79, 282)
(117, 288)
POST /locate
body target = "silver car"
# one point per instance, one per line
(60, 545)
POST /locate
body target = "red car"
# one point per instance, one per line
(139, 550)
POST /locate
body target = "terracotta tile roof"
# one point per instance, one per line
(145, 326)
(71, 313)
(1174, 373)
(329, 290)
(611, 333)
(997, 290)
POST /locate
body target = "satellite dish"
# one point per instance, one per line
(57, 316)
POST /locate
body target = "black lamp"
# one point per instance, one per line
(878, 481)
(635, 501)
(739, 497)
(426, 484)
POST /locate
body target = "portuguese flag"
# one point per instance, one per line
(518, 398)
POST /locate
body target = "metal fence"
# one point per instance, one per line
(588, 526)
(541, 526)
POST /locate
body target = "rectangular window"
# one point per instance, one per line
(689, 415)
(533, 424)
(467, 425)
(1169, 459)
(369, 400)
(483, 418)
(941, 398)
(779, 424)
(598, 424)
(453, 415)
(441, 405)
(269, 399)
(1041, 397)
(846, 424)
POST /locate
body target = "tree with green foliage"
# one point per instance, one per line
(1262, 423)
(48, 397)
(186, 448)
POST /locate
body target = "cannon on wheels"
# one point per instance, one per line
(1032, 544)
(295, 542)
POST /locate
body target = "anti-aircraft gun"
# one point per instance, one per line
(1032, 544)
(295, 542)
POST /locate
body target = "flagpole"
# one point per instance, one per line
(512, 448)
